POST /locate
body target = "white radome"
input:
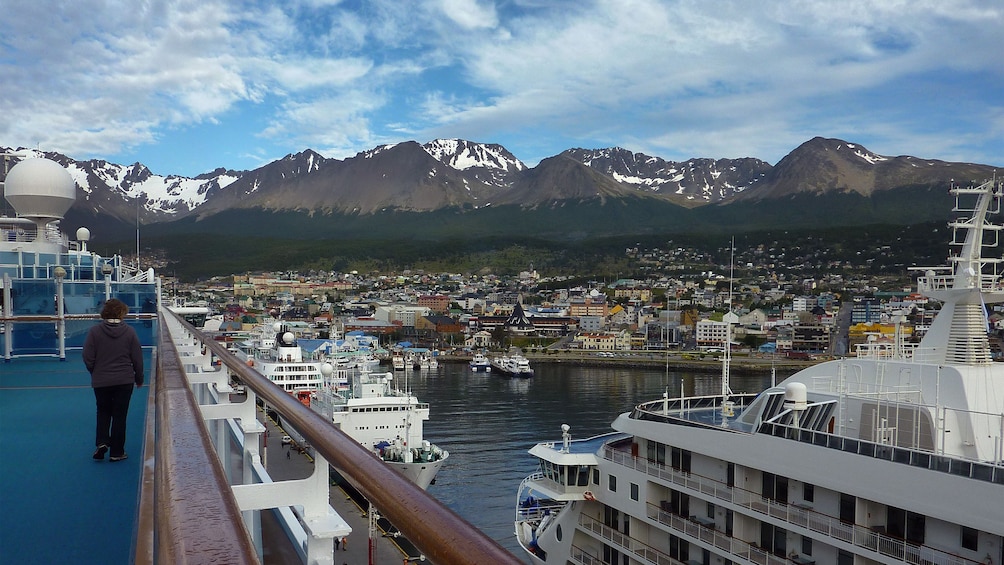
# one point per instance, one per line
(40, 188)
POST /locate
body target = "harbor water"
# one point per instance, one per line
(488, 423)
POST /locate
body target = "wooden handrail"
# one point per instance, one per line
(437, 531)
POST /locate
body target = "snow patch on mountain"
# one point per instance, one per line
(463, 155)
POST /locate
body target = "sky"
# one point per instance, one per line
(187, 86)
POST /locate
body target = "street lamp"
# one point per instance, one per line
(106, 270)
(60, 274)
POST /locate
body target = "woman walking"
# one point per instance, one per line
(114, 358)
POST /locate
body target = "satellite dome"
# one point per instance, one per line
(40, 188)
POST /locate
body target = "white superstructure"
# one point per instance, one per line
(893, 456)
(274, 352)
(513, 365)
(380, 416)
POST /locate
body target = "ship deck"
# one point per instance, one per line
(59, 505)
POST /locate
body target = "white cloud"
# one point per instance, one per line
(675, 76)
(470, 14)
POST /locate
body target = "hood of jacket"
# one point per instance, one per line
(113, 329)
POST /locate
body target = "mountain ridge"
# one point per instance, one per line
(468, 177)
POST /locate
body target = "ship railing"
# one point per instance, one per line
(435, 530)
(795, 514)
(690, 407)
(955, 465)
(986, 283)
(583, 557)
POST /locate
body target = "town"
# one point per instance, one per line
(822, 307)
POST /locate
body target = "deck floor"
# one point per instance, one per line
(57, 505)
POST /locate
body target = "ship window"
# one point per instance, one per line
(681, 459)
(612, 483)
(970, 538)
(656, 452)
(679, 549)
(596, 476)
(808, 492)
(679, 503)
(583, 478)
(775, 487)
(907, 525)
(634, 491)
(773, 539)
(847, 508)
(806, 545)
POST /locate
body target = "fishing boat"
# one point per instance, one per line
(397, 361)
(894, 455)
(382, 417)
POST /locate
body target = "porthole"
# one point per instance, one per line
(557, 532)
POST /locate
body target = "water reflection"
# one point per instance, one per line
(488, 423)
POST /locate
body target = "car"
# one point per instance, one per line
(286, 440)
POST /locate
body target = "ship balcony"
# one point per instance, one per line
(793, 517)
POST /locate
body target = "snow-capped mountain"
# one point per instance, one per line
(466, 176)
(123, 191)
(700, 180)
(489, 163)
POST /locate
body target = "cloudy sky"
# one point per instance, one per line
(187, 86)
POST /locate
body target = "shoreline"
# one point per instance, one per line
(742, 364)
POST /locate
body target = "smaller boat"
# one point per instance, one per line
(398, 361)
(428, 362)
(513, 365)
(480, 363)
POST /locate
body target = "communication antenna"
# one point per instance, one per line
(729, 319)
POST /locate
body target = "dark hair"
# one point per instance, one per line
(114, 309)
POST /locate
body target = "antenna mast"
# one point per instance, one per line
(729, 319)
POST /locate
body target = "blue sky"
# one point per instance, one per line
(188, 86)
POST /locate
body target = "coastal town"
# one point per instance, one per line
(818, 310)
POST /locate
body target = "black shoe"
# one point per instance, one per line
(99, 453)
(114, 458)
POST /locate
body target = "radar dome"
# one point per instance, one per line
(40, 188)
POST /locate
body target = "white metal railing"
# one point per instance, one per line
(830, 527)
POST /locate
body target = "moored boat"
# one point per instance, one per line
(480, 363)
(513, 365)
(384, 418)
(274, 352)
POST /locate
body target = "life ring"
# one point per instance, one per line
(250, 363)
(588, 495)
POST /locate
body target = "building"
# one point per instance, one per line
(711, 334)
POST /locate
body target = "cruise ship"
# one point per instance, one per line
(274, 352)
(894, 455)
(382, 417)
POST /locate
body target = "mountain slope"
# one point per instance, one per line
(822, 166)
(690, 183)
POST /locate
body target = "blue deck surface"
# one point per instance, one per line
(57, 505)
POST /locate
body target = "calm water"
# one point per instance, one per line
(488, 422)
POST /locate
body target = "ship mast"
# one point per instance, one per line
(729, 319)
(966, 290)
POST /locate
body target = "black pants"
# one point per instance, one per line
(113, 406)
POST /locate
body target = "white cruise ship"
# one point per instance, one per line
(380, 416)
(893, 456)
(274, 352)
